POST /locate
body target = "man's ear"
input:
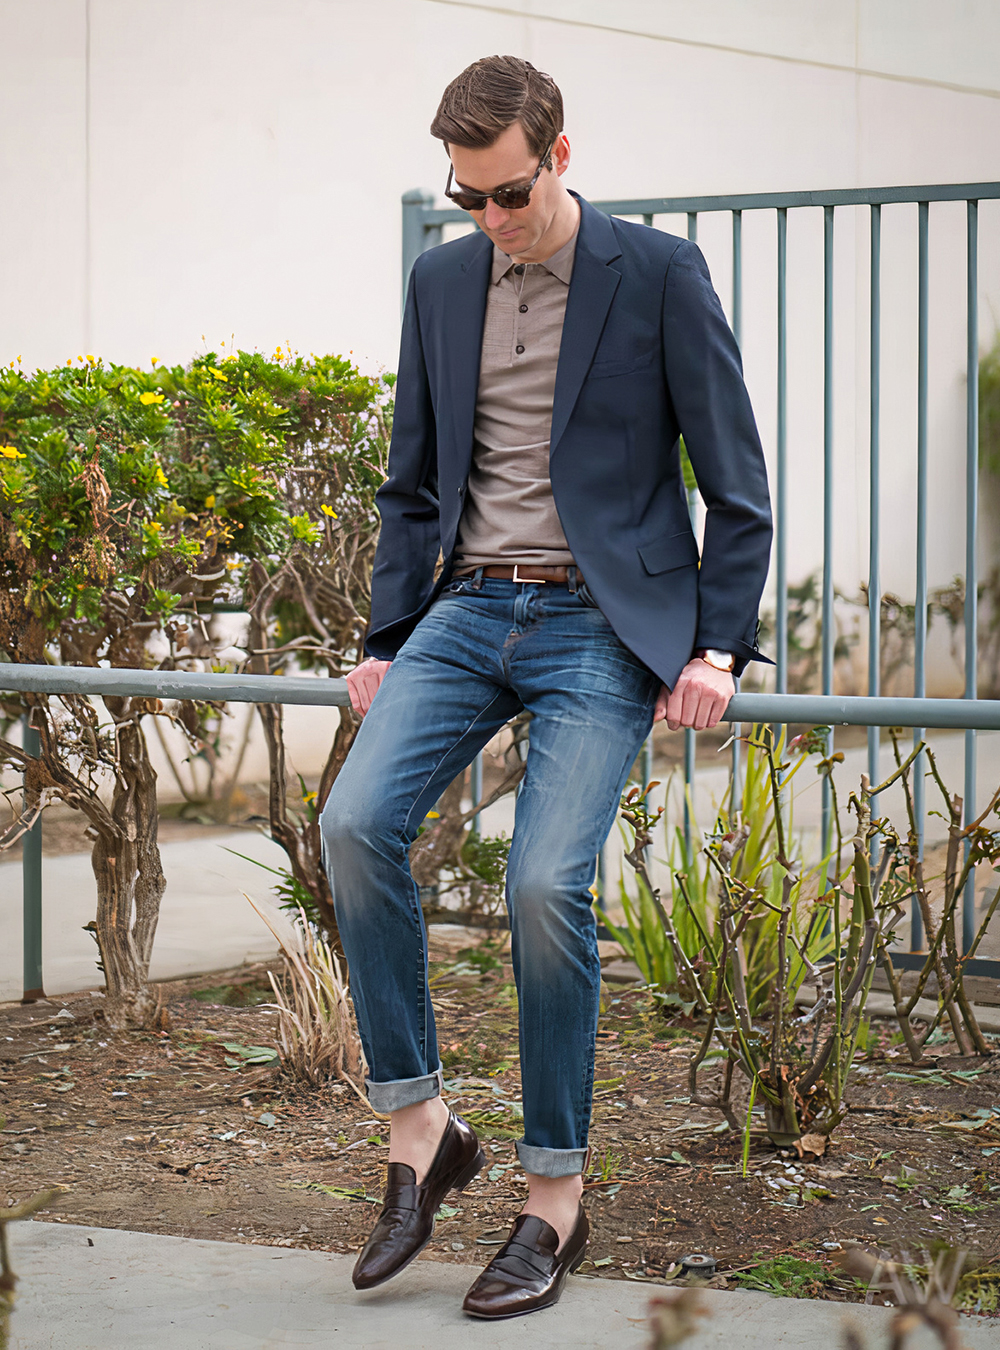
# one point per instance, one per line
(561, 153)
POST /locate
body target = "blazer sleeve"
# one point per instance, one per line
(410, 535)
(704, 374)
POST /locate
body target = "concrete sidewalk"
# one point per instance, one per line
(140, 1291)
(205, 922)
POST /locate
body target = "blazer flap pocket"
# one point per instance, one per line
(667, 551)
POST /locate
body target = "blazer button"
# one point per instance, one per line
(523, 309)
(519, 350)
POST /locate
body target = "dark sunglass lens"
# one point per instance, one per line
(513, 199)
(468, 202)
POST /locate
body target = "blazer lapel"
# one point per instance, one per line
(591, 290)
(464, 314)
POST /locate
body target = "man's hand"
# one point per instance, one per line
(363, 682)
(699, 698)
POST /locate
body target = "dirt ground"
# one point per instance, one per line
(180, 1133)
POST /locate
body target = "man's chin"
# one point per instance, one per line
(507, 243)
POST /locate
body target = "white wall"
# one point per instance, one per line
(175, 168)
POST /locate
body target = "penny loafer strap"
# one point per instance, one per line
(524, 1262)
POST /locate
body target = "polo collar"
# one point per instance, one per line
(560, 265)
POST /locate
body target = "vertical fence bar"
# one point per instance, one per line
(415, 233)
(648, 219)
(690, 742)
(781, 470)
(476, 789)
(971, 533)
(31, 881)
(920, 607)
(826, 654)
(874, 489)
(646, 760)
(737, 730)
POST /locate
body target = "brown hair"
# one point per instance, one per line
(491, 95)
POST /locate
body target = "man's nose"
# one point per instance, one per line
(493, 217)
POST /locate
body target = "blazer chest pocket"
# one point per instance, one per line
(668, 551)
(622, 361)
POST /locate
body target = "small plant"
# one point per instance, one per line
(318, 1038)
(786, 1276)
(902, 873)
(925, 1294)
(604, 1167)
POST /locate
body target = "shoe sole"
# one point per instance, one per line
(459, 1184)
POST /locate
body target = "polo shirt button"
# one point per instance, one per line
(519, 269)
(523, 309)
(519, 350)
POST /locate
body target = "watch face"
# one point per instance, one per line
(720, 660)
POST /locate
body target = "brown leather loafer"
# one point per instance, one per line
(406, 1223)
(528, 1271)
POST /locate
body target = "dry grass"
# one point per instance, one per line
(316, 1029)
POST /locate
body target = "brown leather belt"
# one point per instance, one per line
(524, 572)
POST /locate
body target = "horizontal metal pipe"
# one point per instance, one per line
(831, 710)
(813, 709)
(174, 684)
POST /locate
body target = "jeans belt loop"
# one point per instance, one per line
(477, 579)
(571, 579)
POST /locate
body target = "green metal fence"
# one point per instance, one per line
(423, 228)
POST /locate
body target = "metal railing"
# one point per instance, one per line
(983, 714)
(423, 228)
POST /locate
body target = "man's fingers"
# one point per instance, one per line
(699, 698)
(675, 705)
(363, 683)
(662, 699)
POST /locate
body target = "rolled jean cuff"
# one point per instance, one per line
(393, 1096)
(551, 1162)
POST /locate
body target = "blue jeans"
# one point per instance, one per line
(474, 661)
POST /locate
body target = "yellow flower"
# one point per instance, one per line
(9, 452)
(219, 375)
(161, 477)
(210, 500)
(309, 796)
(433, 815)
(155, 526)
(153, 360)
(150, 397)
(328, 511)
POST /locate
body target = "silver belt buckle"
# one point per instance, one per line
(524, 581)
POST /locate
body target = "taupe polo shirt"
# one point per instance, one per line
(509, 513)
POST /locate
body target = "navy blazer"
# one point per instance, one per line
(646, 356)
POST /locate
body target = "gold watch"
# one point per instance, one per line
(716, 659)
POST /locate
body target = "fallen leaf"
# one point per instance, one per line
(811, 1143)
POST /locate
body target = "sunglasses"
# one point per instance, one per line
(511, 198)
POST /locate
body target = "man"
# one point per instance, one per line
(549, 363)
